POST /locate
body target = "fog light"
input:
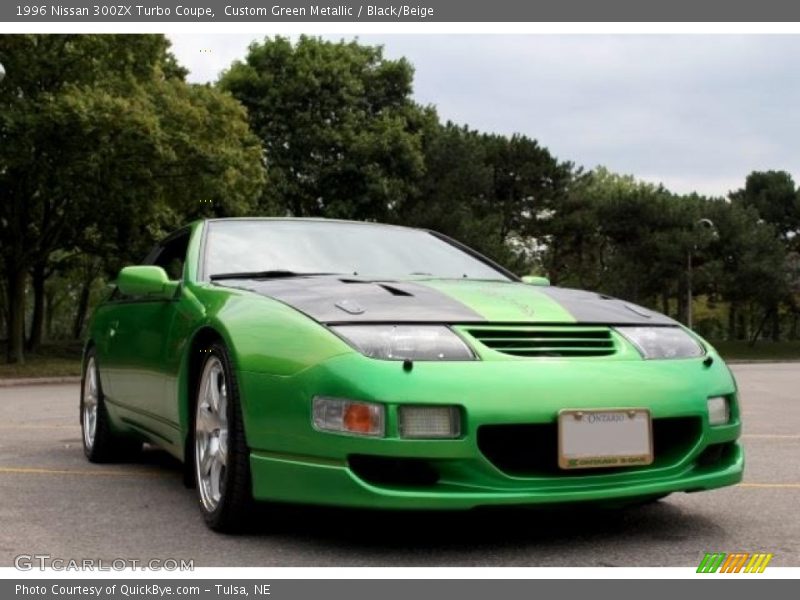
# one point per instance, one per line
(348, 416)
(430, 422)
(719, 411)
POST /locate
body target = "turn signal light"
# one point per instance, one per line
(339, 415)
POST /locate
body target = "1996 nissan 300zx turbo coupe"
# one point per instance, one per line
(367, 365)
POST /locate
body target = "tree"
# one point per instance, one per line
(618, 235)
(774, 197)
(341, 136)
(746, 265)
(488, 191)
(103, 147)
(527, 183)
(452, 192)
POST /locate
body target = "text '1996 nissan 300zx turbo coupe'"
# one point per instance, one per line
(367, 365)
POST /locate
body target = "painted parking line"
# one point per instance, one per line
(788, 486)
(772, 436)
(90, 473)
(38, 426)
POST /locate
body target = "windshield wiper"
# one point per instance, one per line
(274, 274)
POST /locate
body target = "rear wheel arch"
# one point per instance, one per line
(102, 443)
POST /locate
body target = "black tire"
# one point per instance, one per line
(235, 506)
(101, 444)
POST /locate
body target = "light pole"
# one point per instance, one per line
(2, 72)
(706, 224)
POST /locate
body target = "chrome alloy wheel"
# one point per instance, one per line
(91, 393)
(211, 434)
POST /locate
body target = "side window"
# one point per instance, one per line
(171, 255)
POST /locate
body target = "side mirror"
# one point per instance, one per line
(147, 281)
(535, 280)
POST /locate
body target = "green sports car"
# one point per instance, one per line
(368, 365)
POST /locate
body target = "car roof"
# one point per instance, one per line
(310, 220)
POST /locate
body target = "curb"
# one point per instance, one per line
(761, 361)
(38, 381)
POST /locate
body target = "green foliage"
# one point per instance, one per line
(634, 239)
(618, 235)
(487, 191)
(776, 199)
(105, 148)
(341, 136)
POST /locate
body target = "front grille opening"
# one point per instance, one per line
(714, 454)
(382, 470)
(532, 450)
(546, 341)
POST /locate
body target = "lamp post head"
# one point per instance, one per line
(706, 224)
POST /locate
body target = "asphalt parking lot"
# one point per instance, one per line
(54, 502)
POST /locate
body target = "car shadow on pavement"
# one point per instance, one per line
(406, 533)
(490, 527)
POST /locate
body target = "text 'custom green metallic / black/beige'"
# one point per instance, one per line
(378, 366)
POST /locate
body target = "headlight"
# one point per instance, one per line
(406, 342)
(662, 342)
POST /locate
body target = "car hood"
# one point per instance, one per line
(352, 300)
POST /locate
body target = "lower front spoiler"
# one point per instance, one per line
(306, 480)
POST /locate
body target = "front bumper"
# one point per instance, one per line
(291, 461)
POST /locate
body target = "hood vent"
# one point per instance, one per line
(546, 341)
(392, 289)
(395, 291)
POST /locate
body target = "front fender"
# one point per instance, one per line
(267, 336)
(261, 335)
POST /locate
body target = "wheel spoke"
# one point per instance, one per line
(222, 447)
(215, 479)
(91, 395)
(205, 462)
(213, 382)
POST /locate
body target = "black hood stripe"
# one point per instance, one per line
(332, 300)
(590, 307)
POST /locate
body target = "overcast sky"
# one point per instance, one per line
(695, 112)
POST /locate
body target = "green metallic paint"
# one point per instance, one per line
(532, 391)
(302, 481)
(146, 349)
(148, 281)
(535, 280)
(503, 302)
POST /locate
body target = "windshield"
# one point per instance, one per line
(335, 247)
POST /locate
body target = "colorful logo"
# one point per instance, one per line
(738, 562)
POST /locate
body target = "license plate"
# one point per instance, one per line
(592, 439)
